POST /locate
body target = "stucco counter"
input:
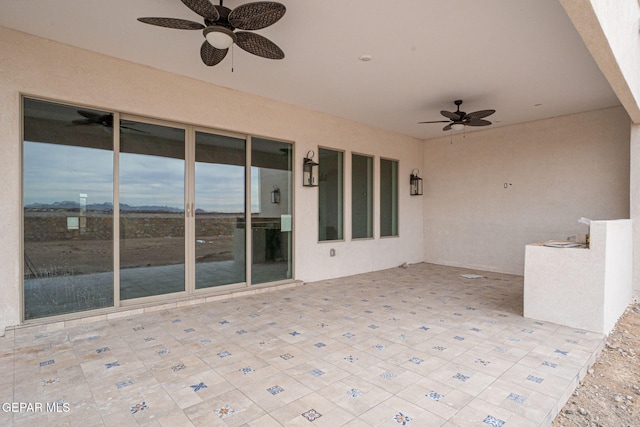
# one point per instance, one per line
(585, 288)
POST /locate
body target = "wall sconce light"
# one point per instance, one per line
(310, 171)
(275, 194)
(415, 183)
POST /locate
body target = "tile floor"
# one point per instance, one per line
(418, 346)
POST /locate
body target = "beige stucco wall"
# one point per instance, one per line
(555, 172)
(38, 67)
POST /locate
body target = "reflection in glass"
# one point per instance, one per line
(330, 195)
(361, 196)
(388, 197)
(68, 209)
(152, 223)
(271, 223)
(219, 210)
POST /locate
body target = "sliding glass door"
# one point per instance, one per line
(120, 210)
(152, 214)
(219, 244)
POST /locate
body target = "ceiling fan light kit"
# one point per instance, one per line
(220, 24)
(459, 119)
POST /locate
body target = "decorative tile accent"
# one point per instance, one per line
(205, 341)
(41, 336)
(424, 328)
(50, 381)
(354, 393)
(387, 375)
(572, 341)
(458, 338)
(241, 331)
(416, 360)
(457, 314)
(247, 370)
(102, 350)
(368, 311)
(224, 322)
(323, 325)
(320, 344)
(198, 386)
(47, 362)
(311, 415)
(223, 412)
(351, 358)
(535, 379)
(46, 347)
(379, 347)
(527, 331)
(516, 398)
(564, 353)
(493, 422)
(317, 372)
(272, 323)
(162, 352)
(460, 377)
(475, 329)
(224, 354)
(176, 320)
(254, 315)
(439, 348)
(403, 336)
(435, 396)
(539, 323)
(482, 362)
(348, 335)
(550, 364)
(287, 356)
(294, 333)
(189, 330)
(123, 384)
(138, 328)
(138, 407)
(178, 367)
(514, 339)
(501, 350)
(148, 339)
(275, 390)
(402, 419)
(112, 365)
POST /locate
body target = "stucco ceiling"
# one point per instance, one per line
(522, 58)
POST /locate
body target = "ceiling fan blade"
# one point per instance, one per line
(453, 116)
(478, 122)
(82, 122)
(89, 114)
(203, 8)
(447, 127)
(480, 114)
(254, 16)
(210, 55)
(258, 45)
(436, 121)
(178, 24)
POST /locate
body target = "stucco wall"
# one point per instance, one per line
(555, 171)
(38, 67)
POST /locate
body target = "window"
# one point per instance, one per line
(361, 196)
(68, 209)
(330, 189)
(388, 197)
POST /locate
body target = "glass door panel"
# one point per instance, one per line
(219, 210)
(152, 217)
(68, 209)
(271, 210)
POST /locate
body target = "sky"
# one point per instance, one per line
(54, 173)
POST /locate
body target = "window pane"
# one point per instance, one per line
(219, 210)
(68, 209)
(152, 223)
(330, 195)
(388, 197)
(271, 218)
(362, 196)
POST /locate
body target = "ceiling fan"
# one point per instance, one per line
(106, 120)
(459, 119)
(220, 24)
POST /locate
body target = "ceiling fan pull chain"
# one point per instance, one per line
(231, 53)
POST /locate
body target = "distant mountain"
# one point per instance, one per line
(106, 206)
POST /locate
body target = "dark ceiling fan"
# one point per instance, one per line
(459, 119)
(106, 120)
(220, 24)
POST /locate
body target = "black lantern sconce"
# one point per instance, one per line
(275, 194)
(310, 171)
(415, 183)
